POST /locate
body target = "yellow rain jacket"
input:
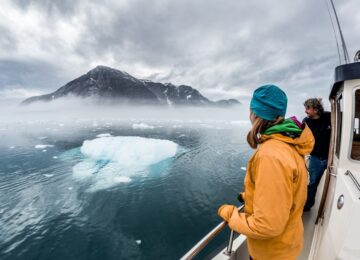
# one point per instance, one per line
(275, 194)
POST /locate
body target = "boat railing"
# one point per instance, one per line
(206, 239)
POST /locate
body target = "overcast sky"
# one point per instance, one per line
(225, 49)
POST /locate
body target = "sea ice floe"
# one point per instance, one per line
(142, 126)
(48, 175)
(43, 146)
(112, 160)
(243, 168)
(138, 242)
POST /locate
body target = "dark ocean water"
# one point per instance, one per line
(46, 213)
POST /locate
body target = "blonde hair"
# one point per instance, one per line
(258, 128)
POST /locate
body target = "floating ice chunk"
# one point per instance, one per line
(70, 188)
(129, 150)
(243, 168)
(113, 160)
(43, 146)
(48, 175)
(11, 147)
(138, 242)
(142, 126)
(55, 157)
(104, 135)
(44, 151)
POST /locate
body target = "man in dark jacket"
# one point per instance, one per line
(319, 121)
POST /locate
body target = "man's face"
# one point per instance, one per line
(311, 112)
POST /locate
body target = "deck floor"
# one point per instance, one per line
(309, 219)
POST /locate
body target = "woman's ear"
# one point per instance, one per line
(253, 117)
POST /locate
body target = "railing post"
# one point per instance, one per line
(205, 240)
(229, 247)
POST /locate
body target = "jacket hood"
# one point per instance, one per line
(303, 144)
(288, 126)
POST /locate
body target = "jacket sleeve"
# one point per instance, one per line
(272, 201)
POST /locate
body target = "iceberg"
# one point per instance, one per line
(110, 160)
(42, 146)
(142, 126)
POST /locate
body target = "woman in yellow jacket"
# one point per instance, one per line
(275, 181)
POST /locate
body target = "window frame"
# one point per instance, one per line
(353, 113)
(338, 124)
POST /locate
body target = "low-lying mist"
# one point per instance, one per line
(83, 109)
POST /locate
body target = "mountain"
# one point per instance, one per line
(227, 102)
(107, 84)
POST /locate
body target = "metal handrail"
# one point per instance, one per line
(206, 239)
(352, 177)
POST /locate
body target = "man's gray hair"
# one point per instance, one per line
(316, 104)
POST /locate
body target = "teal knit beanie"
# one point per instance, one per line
(269, 102)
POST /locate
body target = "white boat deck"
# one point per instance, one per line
(309, 219)
(309, 227)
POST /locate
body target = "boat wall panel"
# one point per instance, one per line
(335, 238)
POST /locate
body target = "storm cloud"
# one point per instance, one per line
(225, 49)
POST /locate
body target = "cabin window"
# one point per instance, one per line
(339, 113)
(355, 150)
